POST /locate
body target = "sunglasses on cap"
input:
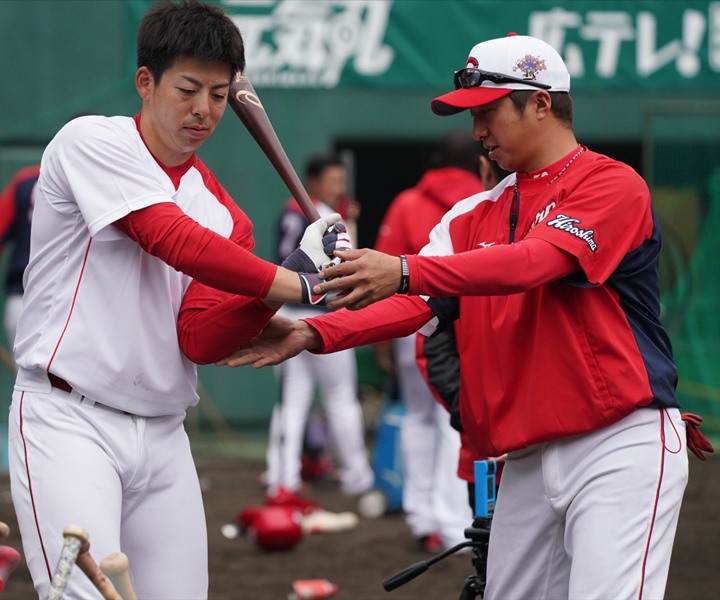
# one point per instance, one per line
(470, 78)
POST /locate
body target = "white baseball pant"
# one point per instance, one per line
(435, 499)
(336, 376)
(591, 516)
(130, 481)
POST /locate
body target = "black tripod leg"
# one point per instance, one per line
(471, 589)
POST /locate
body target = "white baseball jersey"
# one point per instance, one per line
(105, 317)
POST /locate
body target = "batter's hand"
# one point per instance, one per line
(308, 281)
(281, 339)
(319, 242)
(370, 275)
(337, 238)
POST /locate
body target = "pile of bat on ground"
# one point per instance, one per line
(110, 577)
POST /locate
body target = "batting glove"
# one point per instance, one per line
(320, 240)
(308, 281)
(697, 443)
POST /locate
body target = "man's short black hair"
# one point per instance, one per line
(170, 30)
(317, 164)
(562, 104)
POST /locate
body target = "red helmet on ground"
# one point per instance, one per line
(272, 527)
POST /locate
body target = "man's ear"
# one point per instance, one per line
(542, 103)
(486, 173)
(144, 82)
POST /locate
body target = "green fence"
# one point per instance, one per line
(683, 168)
(623, 55)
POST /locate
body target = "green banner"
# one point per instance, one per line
(607, 44)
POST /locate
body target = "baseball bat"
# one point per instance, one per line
(247, 106)
(116, 566)
(4, 530)
(76, 550)
(74, 538)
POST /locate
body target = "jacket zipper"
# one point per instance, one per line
(514, 213)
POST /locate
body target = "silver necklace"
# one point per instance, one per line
(515, 203)
(578, 153)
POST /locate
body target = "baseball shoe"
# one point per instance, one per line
(431, 543)
(318, 468)
(284, 497)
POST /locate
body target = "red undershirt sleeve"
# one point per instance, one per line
(165, 231)
(494, 271)
(499, 270)
(221, 308)
(391, 318)
(212, 324)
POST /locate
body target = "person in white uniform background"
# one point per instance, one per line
(140, 267)
(335, 375)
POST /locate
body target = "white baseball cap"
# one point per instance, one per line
(497, 67)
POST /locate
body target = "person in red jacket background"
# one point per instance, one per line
(434, 498)
(439, 362)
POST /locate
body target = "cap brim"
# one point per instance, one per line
(464, 98)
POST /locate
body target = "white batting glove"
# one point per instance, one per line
(317, 245)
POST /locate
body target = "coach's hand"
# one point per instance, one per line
(318, 244)
(281, 339)
(367, 274)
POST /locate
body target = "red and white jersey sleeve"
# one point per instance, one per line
(100, 312)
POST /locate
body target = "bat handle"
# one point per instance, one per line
(75, 538)
(116, 567)
(98, 578)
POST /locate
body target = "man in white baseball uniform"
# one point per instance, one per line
(325, 179)
(140, 266)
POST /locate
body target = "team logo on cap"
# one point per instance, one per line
(530, 66)
(472, 63)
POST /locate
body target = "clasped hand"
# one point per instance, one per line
(367, 274)
(353, 279)
(371, 275)
(281, 339)
(317, 248)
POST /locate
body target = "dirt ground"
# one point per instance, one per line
(358, 561)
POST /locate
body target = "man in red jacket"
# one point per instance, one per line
(434, 504)
(564, 362)
(439, 362)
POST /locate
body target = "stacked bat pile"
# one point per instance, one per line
(111, 577)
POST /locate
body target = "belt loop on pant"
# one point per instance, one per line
(59, 383)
